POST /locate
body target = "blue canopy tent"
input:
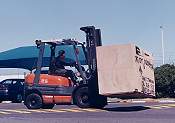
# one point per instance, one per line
(26, 57)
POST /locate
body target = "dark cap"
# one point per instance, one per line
(61, 52)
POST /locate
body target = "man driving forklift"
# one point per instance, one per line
(60, 64)
(44, 91)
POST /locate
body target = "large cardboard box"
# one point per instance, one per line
(125, 71)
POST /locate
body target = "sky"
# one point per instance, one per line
(121, 22)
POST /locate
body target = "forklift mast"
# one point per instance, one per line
(93, 39)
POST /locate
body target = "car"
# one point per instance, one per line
(12, 88)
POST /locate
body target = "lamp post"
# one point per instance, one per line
(162, 40)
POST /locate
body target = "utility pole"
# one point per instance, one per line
(162, 40)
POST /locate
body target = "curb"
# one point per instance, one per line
(142, 101)
(167, 101)
(6, 101)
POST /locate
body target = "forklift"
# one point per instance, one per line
(43, 90)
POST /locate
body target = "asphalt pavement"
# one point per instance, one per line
(113, 113)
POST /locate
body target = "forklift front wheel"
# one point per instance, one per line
(33, 101)
(81, 97)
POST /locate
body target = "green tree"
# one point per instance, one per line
(165, 80)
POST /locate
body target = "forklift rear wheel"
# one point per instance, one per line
(33, 101)
(48, 106)
(81, 97)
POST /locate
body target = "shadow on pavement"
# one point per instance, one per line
(127, 109)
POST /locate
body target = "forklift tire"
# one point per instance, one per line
(33, 101)
(48, 106)
(101, 102)
(81, 97)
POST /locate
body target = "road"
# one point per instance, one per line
(113, 113)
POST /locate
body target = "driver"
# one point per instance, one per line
(60, 64)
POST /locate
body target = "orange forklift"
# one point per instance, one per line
(44, 90)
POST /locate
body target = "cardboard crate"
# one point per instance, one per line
(125, 71)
